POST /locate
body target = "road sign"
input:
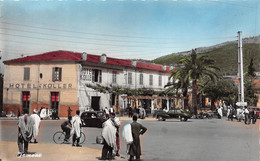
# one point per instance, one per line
(241, 103)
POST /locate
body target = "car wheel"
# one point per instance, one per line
(160, 118)
(185, 118)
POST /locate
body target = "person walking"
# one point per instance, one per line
(117, 125)
(69, 112)
(109, 135)
(76, 129)
(37, 121)
(25, 132)
(66, 127)
(137, 130)
(246, 111)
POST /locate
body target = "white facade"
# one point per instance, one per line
(123, 77)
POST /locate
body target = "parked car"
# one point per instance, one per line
(93, 118)
(257, 109)
(177, 113)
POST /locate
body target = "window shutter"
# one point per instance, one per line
(53, 74)
(100, 76)
(93, 75)
(26, 73)
(60, 74)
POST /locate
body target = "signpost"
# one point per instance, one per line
(241, 103)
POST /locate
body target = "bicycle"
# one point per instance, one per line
(59, 137)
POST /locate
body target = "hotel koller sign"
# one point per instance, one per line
(40, 86)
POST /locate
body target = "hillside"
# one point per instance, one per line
(224, 54)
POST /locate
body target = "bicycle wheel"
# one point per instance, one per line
(82, 138)
(59, 137)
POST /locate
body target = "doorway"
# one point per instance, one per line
(95, 103)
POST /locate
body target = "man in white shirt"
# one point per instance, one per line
(76, 129)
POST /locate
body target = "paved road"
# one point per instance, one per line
(172, 140)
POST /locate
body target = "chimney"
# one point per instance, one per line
(84, 56)
(133, 63)
(103, 58)
(164, 67)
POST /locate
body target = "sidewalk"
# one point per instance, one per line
(64, 118)
(50, 152)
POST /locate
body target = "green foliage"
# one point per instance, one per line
(222, 89)
(251, 70)
(250, 91)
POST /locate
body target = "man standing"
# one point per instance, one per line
(25, 132)
(246, 115)
(69, 112)
(37, 121)
(109, 135)
(117, 125)
(135, 148)
(76, 128)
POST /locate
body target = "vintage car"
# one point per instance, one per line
(176, 113)
(93, 118)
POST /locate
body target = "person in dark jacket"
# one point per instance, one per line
(135, 147)
(66, 127)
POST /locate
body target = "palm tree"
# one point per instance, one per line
(194, 68)
(180, 81)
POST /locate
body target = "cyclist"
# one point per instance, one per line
(66, 127)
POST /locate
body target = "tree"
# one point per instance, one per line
(181, 81)
(251, 70)
(250, 96)
(196, 67)
(222, 89)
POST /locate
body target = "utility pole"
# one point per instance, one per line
(241, 98)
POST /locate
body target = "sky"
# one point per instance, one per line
(126, 29)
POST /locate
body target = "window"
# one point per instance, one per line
(55, 100)
(150, 80)
(114, 77)
(130, 78)
(160, 80)
(96, 75)
(56, 74)
(26, 75)
(141, 80)
(25, 100)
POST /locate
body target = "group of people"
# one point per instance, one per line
(248, 115)
(28, 129)
(110, 133)
(140, 112)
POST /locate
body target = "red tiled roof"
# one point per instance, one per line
(93, 58)
(149, 66)
(120, 62)
(50, 56)
(256, 83)
(74, 56)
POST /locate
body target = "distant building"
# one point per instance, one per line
(62, 79)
